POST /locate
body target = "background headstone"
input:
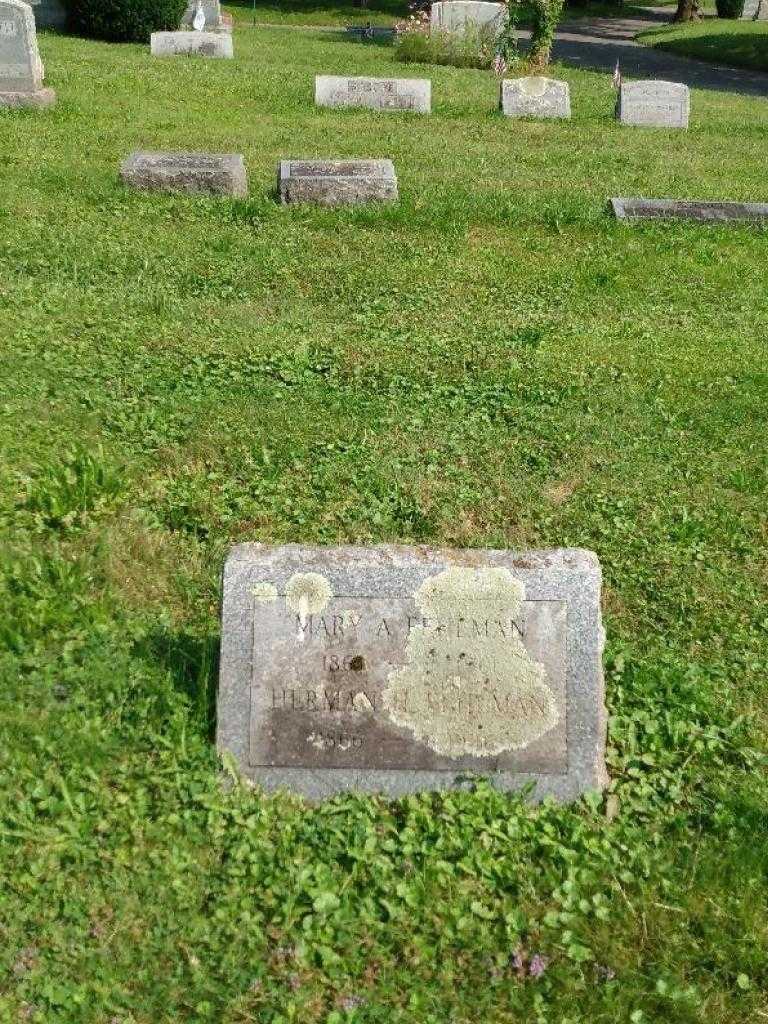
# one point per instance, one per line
(214, 20)
(398, 669)
(456, 15)
(704, 211)
(755, 10)
(336, 182)
(49, 13)
(654, 103)
(375, 93)
(21, 70)
(534, 97)
(208, 173)
(191, 44)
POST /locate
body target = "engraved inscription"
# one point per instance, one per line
(469, 676)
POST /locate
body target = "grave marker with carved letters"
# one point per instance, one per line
(400, 669)
(654, 103)
(21, 70)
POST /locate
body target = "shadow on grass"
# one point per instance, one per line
(192, 660)
(314, 9)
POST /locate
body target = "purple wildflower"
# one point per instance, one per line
(538, 965)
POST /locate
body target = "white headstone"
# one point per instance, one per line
(21, 70)
(191, 44)
(535, 97)
(375, 93)
(211, 10)
(456, 15)
(654, 103)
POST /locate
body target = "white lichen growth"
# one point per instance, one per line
(264, 592)
(469, 690)
(307, 593)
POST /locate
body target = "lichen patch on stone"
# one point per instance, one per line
(263, 592)
(465, 691)
(307, 593)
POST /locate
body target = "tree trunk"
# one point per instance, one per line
(687, 10)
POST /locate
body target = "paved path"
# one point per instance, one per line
(597, 43)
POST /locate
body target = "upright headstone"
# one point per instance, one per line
(21, 70)
(401, 669)
(375, 93)
(214, 20)
(336, 182)
(755, 10)
(49, 13)
(457, 15)
(191, 44)
(654, 103)
(534, 97)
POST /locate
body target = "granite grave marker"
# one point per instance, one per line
(400, 669)
(654, 103)
(21, 70)
(191, 44)
(336, 182)
(705, 211)
(214, 20)
(375, 93)
(456, 15)
(534, 96)
(221, 174)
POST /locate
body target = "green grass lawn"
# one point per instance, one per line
(492, 362)
(742, 44)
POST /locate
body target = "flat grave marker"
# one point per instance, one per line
(374, 93)
(534, 96)
(336, 182)
(21, 70)
(705, 211)
(653, 103)
(220, 174)
(399, 669)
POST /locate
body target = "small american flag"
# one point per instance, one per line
(617, 76)
(499, 65)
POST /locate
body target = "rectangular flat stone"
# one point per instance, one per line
(221, 174)
(374, 93)
(392, 669)
(689, 209)
(336, 182)
(191, 44)
(534, 96)
(654, 103)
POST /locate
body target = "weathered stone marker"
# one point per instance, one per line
(214, 20)
(191, 44)
(21, 70)
(689, 209)
(221, 174)
(49, 13)
(755, 10)
(398, 669)
(336, 182)
(534, 96)
(375, 93)
(457, 15)
(654, 103)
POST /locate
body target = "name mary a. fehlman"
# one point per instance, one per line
(350, 625)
